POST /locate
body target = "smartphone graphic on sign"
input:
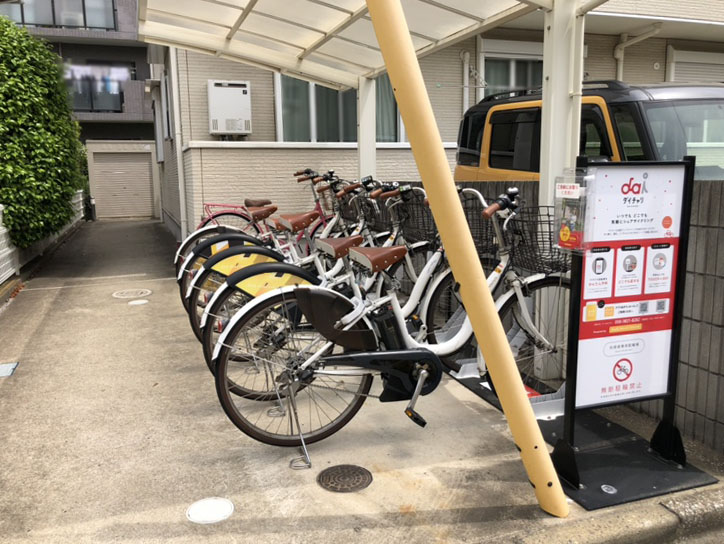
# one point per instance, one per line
(599, 265)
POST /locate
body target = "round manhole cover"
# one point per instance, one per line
(132, 293)
(344, 478)
(211, 510)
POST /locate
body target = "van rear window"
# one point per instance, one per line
(515, 140)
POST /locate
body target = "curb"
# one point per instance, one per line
(687, 514)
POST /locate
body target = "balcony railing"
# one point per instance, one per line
(87, 14)
(96, 96)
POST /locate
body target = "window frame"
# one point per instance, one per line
(279, 118)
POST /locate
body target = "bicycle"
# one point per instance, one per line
(294, 366)
(231, 293)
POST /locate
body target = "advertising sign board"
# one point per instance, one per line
(626, 313)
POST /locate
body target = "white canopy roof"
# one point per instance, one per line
(331, 42)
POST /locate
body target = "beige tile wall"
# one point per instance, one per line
(710, 10)
(230, 175)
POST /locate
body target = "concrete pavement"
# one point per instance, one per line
(110, 428)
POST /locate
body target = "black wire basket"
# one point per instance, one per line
(480, 228)
(377, 216)
(416, 219)
(532, 238)
(348, 208)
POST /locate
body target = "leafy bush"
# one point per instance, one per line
(40, 150)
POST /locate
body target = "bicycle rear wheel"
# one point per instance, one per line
(261, 355)
(541, 361)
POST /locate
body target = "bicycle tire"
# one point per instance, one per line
(541, 371)
(269, 421)
(233, 219)
(198, 236)
(212, 275)
(201, 253)
(233, 298)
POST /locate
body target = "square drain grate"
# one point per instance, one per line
(7, 369)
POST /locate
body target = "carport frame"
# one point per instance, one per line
(562, 89)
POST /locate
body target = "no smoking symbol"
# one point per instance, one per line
(622, 370)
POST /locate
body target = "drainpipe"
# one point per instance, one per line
(465, 56)
(626, 42)
(178, 142)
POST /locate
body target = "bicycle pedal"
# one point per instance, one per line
(415, 417)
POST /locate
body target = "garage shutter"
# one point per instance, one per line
(122, 185)
(699, 71)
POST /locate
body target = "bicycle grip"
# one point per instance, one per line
(348, 189)
(375, 193)
(426, 202)
(300, 172)
(317, 179)
(490, 210)
(305, 178)
(322, 188)
(389, 194)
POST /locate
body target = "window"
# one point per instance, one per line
(470, 139)
(690, 128)
(331, 116)
(503, 74)
(94, 14)
(515, 140)
(97, 87)
(629, 134)
(594, 142)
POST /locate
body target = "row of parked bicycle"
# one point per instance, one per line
(297, 313)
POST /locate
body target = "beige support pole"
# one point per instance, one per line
(402, 65)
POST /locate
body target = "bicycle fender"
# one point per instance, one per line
(211, 246)
(183, 246)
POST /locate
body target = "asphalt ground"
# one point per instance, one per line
(110, 428)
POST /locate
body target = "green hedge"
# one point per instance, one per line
(40, 149)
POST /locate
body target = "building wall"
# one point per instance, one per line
(230, 174)
(196, 69)
(710, 10)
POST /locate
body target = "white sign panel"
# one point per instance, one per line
(634, 203)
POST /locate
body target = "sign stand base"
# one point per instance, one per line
(667, 442)
(610, 465)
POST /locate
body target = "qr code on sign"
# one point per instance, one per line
(660, 305)
(643, 307)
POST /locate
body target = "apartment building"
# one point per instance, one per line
(105, 69)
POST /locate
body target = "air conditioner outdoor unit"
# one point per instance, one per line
(229, 107)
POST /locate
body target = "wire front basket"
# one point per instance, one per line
(480, 228)
(416, 219)
(348, 208)
(377, 216)
(532, 238)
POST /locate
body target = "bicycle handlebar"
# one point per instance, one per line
(491, 210)
(306, 177)
(389, 194)
(348, 189)
(376, 193)
(302, 172)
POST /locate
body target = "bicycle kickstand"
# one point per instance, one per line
(410, 410)
(303, 461)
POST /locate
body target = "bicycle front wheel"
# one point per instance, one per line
(260, 357)
(537, 331)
